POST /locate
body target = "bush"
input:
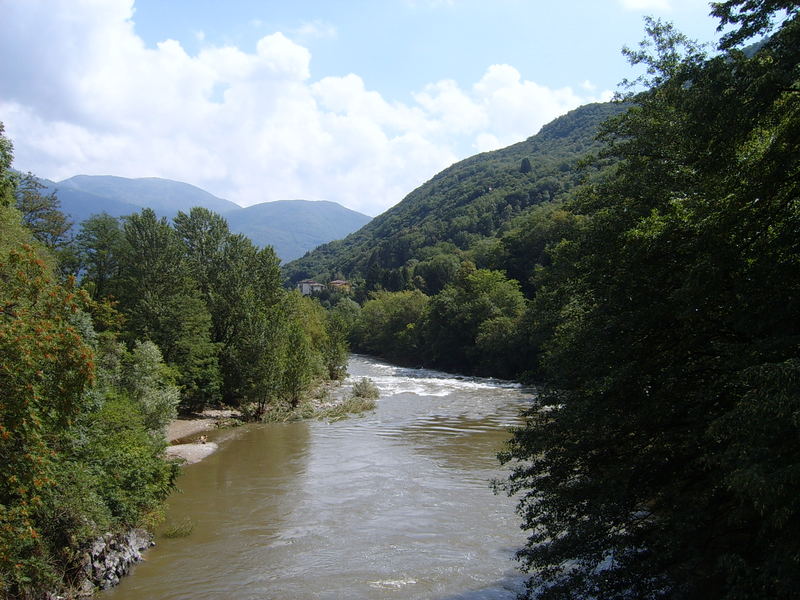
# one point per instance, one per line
(365, 388)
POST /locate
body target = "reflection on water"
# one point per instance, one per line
(395, 504)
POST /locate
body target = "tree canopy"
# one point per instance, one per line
(662, 460)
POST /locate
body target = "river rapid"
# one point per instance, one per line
(393, 504)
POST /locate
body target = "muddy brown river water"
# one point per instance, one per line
(394, 504)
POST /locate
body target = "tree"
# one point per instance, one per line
(752, 17)
(463, 322)
(45, 368)
(388, 325)
(160, 300)
(236, 281)
(661, 461)
(41, 214)
(204, 234)
(100, 243)
(8, 179)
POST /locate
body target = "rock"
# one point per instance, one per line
(110, 557)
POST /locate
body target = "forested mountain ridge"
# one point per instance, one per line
(291, 227)
(474, 199)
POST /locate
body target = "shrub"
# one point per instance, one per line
(365, 388)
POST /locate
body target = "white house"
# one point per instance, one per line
(309, 286)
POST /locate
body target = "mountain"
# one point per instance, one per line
(80, 205)
(164, 196)
(292, 227)
(456, 211)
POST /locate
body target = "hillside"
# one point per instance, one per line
(164, 196)
(475, 199)
(293, 227)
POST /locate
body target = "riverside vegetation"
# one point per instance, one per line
(657, 300)
(653, 286)
(198, 317)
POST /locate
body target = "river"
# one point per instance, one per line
(393, 504)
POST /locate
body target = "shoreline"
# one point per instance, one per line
(186, 436)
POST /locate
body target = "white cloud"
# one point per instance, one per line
(645, 5)
(316, 29)
(247, 126)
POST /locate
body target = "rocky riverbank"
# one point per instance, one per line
(108, 558)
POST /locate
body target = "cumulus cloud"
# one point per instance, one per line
(250, 126)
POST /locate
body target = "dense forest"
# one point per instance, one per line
(663, 461)
(104, 337)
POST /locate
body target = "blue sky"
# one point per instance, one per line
(353, 101)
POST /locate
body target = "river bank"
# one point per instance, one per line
(188, 436)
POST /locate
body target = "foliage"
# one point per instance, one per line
(100, 247)
(662, 460)
(78, 455)
(8, 179)
(160, 300)
(45, 368)
(365, 388)
(471, 325)
(751, 16)
(355, 405)
(40, 213)
(471, 201)
(387, 325)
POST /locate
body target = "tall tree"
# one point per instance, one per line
(46, 367)
(237, 282)
(663, 459)
(162, 304)
(100, 244)
(41, 212)
(8, 179)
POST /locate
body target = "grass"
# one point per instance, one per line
(362, 400)
(352, 406)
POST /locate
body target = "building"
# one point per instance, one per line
(309, 286)
(340, 285)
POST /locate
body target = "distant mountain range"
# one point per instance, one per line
(292, 227)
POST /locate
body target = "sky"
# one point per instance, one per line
(353, 101)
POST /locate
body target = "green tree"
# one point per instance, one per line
(8, 179)
(306, 336)
(41, 214)
(45, 368)
(388, 325)
(100, 243)
(161, 302)
(469, 325)
(662, 461)
(436, 272)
